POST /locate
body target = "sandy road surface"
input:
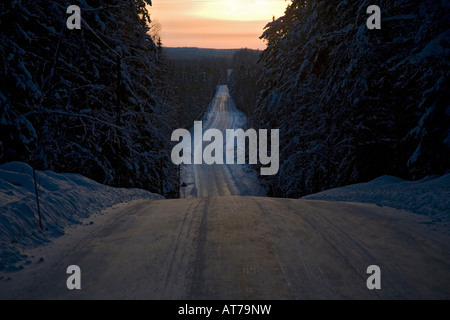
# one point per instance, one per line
(243, 248)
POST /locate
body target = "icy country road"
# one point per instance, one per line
(221, 180)
(242, 248)
(224, 243)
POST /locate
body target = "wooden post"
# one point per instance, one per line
(179, 181)
(37, 199)
(184, 185)
(119, 80)
(161, 177)
(118, 110)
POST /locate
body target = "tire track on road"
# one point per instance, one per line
(178, 254)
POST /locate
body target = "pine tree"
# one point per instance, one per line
(354, 104)
(86, 101)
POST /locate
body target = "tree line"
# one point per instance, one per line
(90, 101)
(194, 80)
(352, 104)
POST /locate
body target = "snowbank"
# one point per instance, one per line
(429, 197)
(64, 199)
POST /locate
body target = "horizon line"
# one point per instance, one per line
(204, 48)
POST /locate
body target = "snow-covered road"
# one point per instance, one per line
(221, 180)
(242, 248)
(224, 241)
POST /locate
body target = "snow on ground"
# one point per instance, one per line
(429, 197)
(70, 200)
(65, 199)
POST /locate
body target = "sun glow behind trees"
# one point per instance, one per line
(239, 10)
(215, 24)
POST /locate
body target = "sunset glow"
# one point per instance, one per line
(215, 23)
(239, 10)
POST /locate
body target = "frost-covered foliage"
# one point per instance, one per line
(243, 80)
(86, 101)
(352, 103)
(194, 81)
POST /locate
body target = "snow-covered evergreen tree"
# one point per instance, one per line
(87, 101)
(243, 83)
(352, 103)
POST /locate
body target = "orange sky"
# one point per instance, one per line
(222, 24)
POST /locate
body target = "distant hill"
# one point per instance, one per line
(197, 53)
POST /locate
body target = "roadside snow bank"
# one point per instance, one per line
(64, 199)
(429, 197)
